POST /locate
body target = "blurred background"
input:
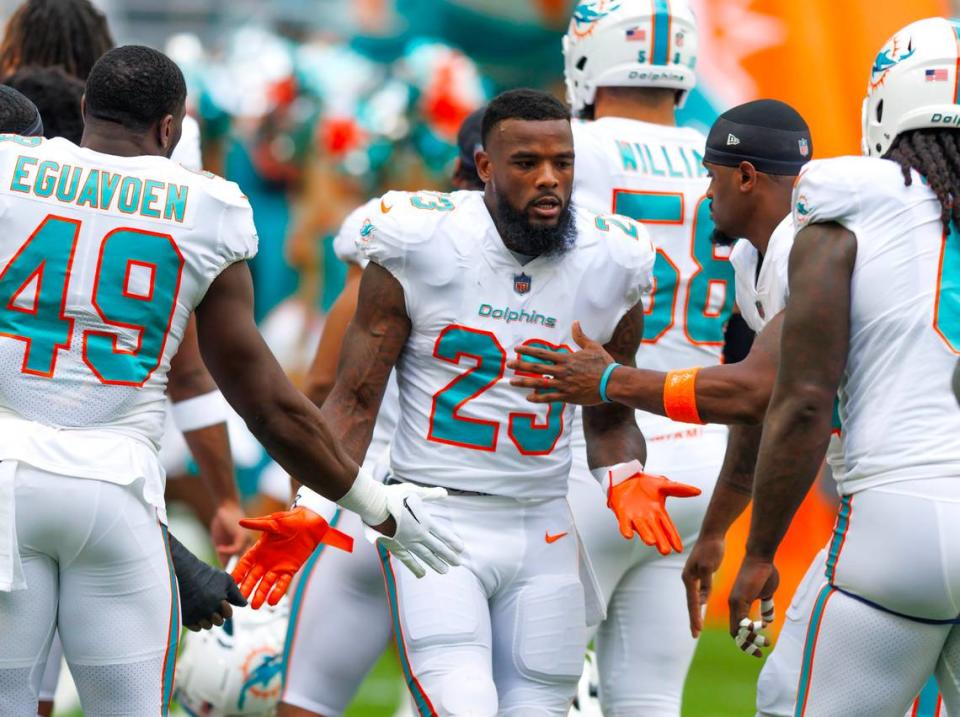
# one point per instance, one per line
(313, 106)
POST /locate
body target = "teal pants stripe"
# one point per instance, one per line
(839, 535)
(810, 648)
(297, 603)
(424, 706)
(173, 634)
(928, 703)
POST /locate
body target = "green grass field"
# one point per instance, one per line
(721, 683)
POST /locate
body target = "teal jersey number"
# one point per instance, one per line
(432, 200)
(529, 438)
(946, 317)
(447, 425)
(700, 327)
(704, 327)
(41, 269)
(149, 313)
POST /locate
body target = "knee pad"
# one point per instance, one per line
(551, 633)
(465, 690)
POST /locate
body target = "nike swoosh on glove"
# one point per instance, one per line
(289, 539)
(418, 538)
(203, 589)
(638, 500)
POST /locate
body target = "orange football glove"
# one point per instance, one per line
(637, 499)
(289, 538)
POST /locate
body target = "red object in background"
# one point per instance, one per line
(443, 106)
(340, 135)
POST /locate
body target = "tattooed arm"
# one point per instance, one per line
(610, 430)
(370, 348)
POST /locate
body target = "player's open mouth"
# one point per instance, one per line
(547, 207)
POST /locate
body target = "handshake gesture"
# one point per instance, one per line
(290, 537)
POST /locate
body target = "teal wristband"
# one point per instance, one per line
(605, 378)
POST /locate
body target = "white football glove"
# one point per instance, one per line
(418, 538)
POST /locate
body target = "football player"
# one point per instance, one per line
(874, 307)
(629, 66)
(454, 285)
(326, 660)
(108, 249)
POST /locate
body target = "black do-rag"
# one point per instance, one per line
(470, 139)
(769, 134)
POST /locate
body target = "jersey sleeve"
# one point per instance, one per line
(345, 243)
(825, 193)
(238, 240)
(398, 233)
(627, 267)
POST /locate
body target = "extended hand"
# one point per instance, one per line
(418, 537)
(704, 560)
(570, 377)
(206, 592)
(638, 500)
(229, 538)
(757, 580)
(288, 540)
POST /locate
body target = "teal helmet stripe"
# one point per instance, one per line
(660, 54)
(955, 24)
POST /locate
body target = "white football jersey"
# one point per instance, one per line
(471, 303)
(345, 247)
(104, 258)
(654, 174)
(899, 416)
(763, 295)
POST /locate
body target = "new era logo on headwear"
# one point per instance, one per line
(732, 140)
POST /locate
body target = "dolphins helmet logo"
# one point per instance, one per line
(890, 56)
(588, 13)
(262, 671)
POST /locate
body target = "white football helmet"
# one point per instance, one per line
(629, 43)
(235, 670)
(913, 83)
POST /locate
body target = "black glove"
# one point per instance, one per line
(206, 592)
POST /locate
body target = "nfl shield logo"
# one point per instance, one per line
(804, 147)
(521, 283)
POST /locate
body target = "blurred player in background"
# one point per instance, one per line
(504, 633)
(875, 292)
(628, 67)
(326, 660)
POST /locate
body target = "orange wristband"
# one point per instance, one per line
(680, 396)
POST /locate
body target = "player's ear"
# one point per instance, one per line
(484, 166)
(746, 176)
(165, 133)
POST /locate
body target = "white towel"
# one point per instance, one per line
(11, 569)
